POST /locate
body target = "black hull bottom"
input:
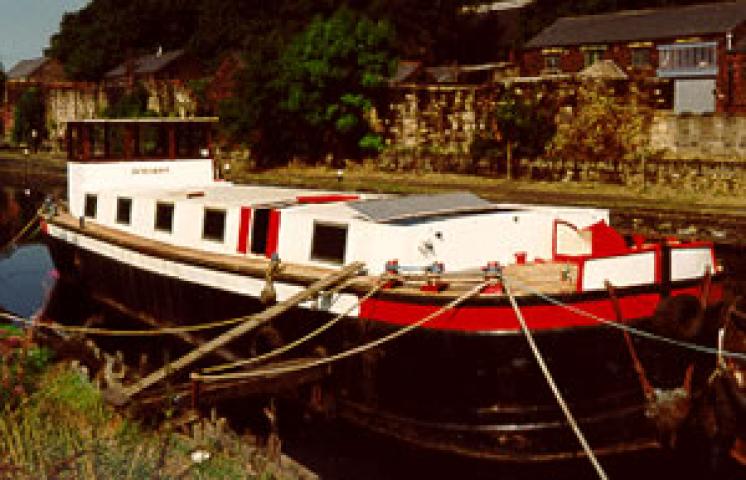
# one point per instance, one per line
(473, 394)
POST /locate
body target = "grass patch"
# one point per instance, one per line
(64, 430)
(366, 178)
(10, 331)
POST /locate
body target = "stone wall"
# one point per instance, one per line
(711, 137)
(67, 101)
(432, 127)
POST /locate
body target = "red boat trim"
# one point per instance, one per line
(243, 230)
(472, 318)
(326, 198)
(273, 233)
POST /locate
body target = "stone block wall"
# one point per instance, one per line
(716, 137)
(433, 126)
(69, 101)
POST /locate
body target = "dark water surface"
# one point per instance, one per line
(331, 449)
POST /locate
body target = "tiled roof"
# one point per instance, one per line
(636, 25)
(150, 63)
(24, 68)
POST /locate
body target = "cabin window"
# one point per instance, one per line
(164, 217)
(124, 210)
(329, 242)
(213, 227)
(91, 205)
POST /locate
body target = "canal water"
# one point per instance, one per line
(331, 449)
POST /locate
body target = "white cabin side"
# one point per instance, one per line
(91, 177)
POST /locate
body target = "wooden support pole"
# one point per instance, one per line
(252, 322)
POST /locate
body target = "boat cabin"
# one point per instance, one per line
(155, 179)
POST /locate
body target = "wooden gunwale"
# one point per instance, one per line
(304, 275)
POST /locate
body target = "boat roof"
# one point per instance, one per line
(226, 194)
(412, 207)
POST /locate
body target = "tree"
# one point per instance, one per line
(105, 32)
(329, 77)
(604, 128)
(523, 124)
(29, 117)
(3, 78)
(131, 103)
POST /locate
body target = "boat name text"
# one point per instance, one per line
(149, 170)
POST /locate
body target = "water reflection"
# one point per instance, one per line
(26, 272)
(26, 276)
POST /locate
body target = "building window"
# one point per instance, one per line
(329, 243)
(91, 205)
(640, 57)
(687, 59)
(213, 226)
(552, 63)
(592, 56)
(124, 210)
(164, 216)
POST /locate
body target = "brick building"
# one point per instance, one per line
(164, 75)
(63, 99)
(24, 75)
(701, 49)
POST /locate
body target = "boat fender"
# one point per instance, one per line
(269, 294)
(679, 317)
(668, 408)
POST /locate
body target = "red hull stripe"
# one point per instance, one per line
(502, 317)
(243, 230)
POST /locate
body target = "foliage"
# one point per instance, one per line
(522, 124)
(30, 115)
(3, 78)
(604, 127)
(130, 104)
(329, 76)
(20, 369)
(104, 33)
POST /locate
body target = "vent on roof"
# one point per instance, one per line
(420, 206)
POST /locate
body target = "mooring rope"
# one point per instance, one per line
(124, 333)
(23, 231)
(347, 353)
(303, 339)
(553, 386)
(628, 328)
